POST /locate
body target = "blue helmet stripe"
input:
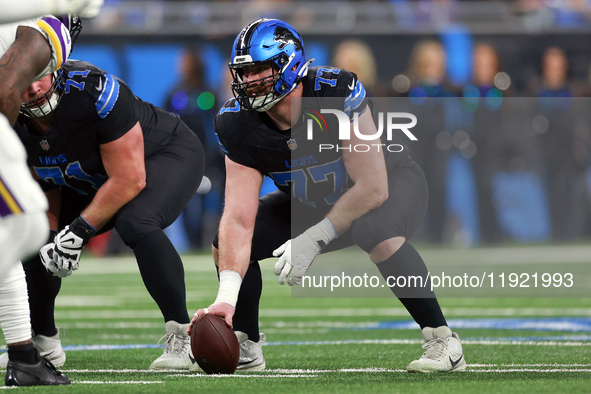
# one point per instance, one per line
(246, 35)
(108, 96)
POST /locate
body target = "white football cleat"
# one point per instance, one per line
(48, 347)
(177, 348)
(443, 352)
(251, 353)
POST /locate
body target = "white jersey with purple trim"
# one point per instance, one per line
(19, 193)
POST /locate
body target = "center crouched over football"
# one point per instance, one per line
(214, 345)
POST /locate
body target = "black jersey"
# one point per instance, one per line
(297, 164)
(96, 108)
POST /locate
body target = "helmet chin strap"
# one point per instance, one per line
(258, 101)
(44, 109)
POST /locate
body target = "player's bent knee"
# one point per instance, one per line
(363, 235)
(385, 249)
(130, 232)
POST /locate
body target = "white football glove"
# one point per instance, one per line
(298, 254)
(50, 260)
(68, 245)
(67, 251)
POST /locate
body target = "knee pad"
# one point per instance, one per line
(127, 231)
(14, 305)
(364, 235)
(369, 231)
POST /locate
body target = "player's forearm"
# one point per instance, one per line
(355, 203)
(235, 247)
(109, 199)
(25, 58)
(54, 198)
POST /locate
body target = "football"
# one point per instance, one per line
(214, 345)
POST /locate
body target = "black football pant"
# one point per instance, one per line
(172, 176)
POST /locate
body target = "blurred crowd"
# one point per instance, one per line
(542, 131)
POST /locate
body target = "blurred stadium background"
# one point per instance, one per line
(491, 183)
(488, 184)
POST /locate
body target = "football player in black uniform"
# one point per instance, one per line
(374, 200)
(106, 159)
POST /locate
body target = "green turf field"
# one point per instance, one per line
(328, 345)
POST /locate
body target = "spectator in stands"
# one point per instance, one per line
(197, 105)
(356, 56)
(427, 76)
(487, 134)
(564, 140)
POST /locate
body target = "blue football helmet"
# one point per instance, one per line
(267, 41)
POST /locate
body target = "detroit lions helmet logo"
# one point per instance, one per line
(284, 36)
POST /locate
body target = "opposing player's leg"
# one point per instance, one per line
(23, 228)
(173, 176)
(24, 365)
(383, 233)
(22, 203)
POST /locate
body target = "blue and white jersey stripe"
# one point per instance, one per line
(221, 144)
(355, 99)
(108, 96)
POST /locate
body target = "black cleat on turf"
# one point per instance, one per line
(42, 373)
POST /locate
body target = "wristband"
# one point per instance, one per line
(230, 282)
(328, 228)
(82, 229)
(52, 234)
(322, 233)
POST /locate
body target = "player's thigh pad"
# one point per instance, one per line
(401, 214)
(173, 175)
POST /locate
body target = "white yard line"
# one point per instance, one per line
(248, 376)
(304, 372)
(335, 312)
(530, 370)
(121, 382)
(528, 365)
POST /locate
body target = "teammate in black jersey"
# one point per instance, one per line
(374, 199)
(106, 159)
